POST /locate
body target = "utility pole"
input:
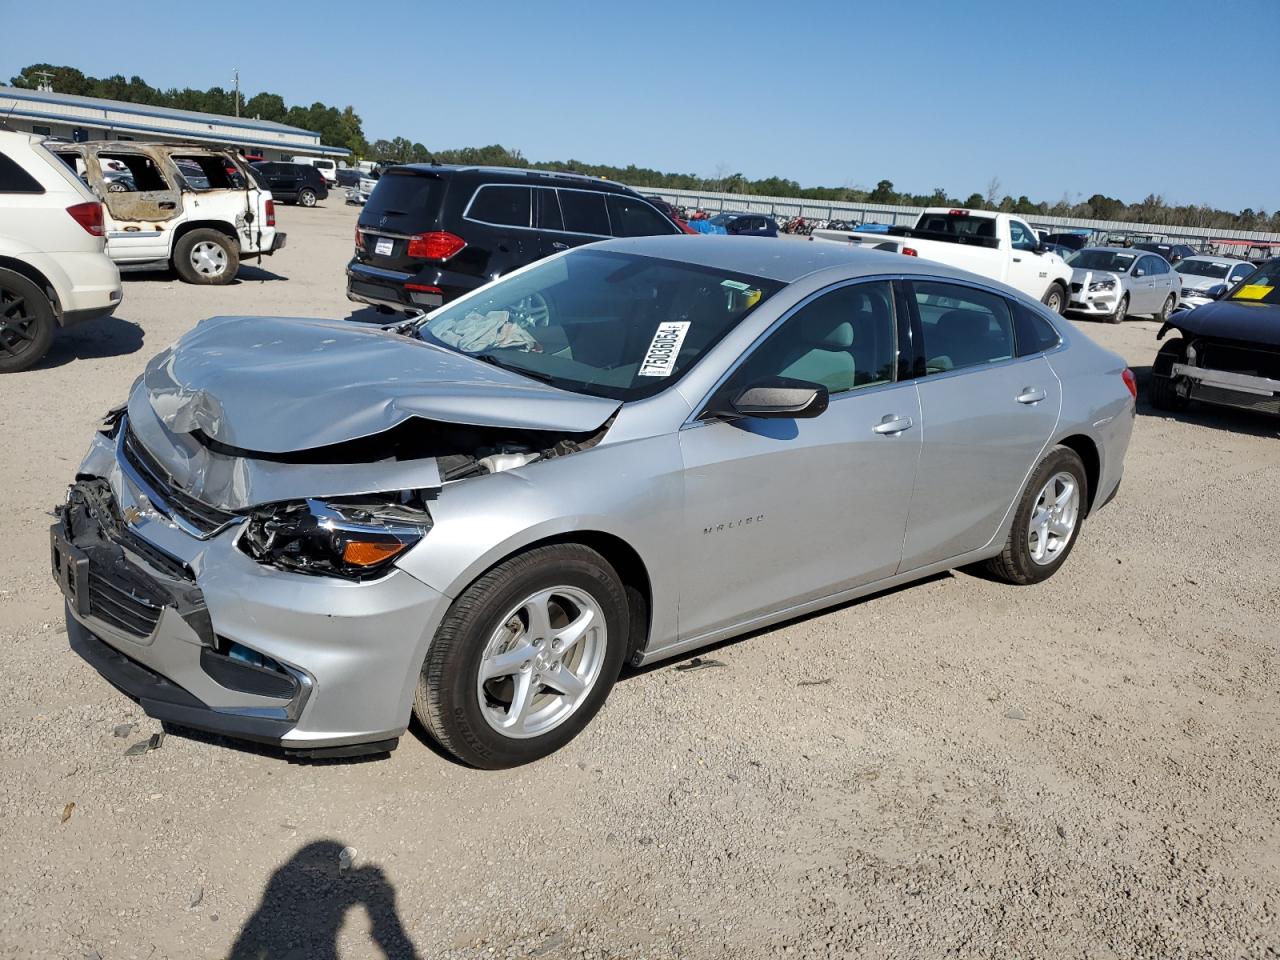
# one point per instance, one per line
(236, 72)
(45, 82)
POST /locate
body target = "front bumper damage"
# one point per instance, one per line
(202, 635)
(1225, 375)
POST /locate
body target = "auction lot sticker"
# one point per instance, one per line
(660, 358)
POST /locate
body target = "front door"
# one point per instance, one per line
(780, 511)
(989, 415)
(1027, 269)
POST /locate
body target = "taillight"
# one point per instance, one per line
(359, 239)
(1130, 381)
(437, 245)
(271, 213)
(422, 288)
(909, 252)
(89, 216)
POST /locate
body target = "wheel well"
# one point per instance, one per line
(631, 569)
(1087, 451)
(221, 226)
(36, 277)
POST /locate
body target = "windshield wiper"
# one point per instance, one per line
(493, 361)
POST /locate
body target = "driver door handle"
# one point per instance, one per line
(1030, 395)
(892, 425)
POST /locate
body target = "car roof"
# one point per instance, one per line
(1224, 261)
(782, 259)
(514, 173)
(1109, 249)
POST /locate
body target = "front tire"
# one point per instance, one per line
(206, 257)
(1164, 394)
(1121, 311)
(1055, 298)
(1047, 522)
(307, 198)
(525, 657)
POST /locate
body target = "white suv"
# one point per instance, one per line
(53, 268)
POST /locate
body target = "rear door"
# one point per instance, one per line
(498, 228)
(989, 415)
(584, 216)
(138, 209)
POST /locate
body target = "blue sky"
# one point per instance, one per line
(1126, 97)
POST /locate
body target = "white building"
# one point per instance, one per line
(90, 118)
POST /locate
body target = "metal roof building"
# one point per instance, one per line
(91, 118)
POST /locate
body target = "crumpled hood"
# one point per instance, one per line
(1085, 277)
(1232, 320)
(282, 384)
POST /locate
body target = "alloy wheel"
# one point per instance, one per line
(208, 259)
(1053, 518)
(541, 663)
(17, 324)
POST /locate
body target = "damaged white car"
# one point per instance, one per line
(197, 210)
(302, 531)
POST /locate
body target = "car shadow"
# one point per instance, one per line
(1203, 414)
(373, 315)
(93, 340)
(306, 902)
(247, 273)
(702, 653)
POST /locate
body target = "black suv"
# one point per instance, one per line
(430, 233)
(292, 182)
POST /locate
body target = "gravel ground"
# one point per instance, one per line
(1087, 768)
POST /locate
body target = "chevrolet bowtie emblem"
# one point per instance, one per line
(132, 515)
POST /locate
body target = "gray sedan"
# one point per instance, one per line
(302, 531)
(1113, 282)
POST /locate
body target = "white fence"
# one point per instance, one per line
(784, 208)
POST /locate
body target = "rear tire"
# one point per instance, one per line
(468, 691)
(27, 322)
(1167, 309)
(307, 198)
(206, 257)
(1121, 311)
(1164, 395)
(1055, 298)
(1047, 522)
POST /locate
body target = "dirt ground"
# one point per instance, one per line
(1087, 768)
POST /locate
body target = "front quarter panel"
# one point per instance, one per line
(630, 489)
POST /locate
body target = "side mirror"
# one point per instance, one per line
(1216, 292)
(778, 398)
(1040, 248)
(1139, 272)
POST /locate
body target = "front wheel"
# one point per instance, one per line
(26, 322)
(525, 657)
(206, 257)
(307, 198)
(1047, 520)
(1121, 311)
(1054, 298)
(1164, 391)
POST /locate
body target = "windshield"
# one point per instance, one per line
(601, 323)
(1203, 268)
(1103, 260)
(724, 219)
(1261, 286)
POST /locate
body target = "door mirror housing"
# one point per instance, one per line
(1216, 292)
(1041, 248)
(777, 398)
(1139, 272)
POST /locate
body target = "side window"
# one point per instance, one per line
(843, 340)
(584, 212)
(548, 209)
(963, 326)
(1240, 272)
(1033, 332)
(508, 206)
(1021, 236)
(13, 179)
(632, 217)
(144, 175)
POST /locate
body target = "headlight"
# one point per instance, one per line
(355, 538)
(1102, 285)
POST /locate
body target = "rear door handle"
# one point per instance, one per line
(1031, 395)
(892, 425)
(166, 205)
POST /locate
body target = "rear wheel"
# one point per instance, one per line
(26, 322)
(307, 197)
(206, 257)
(1055, 298)
(1164, 392)
(525, 657)
(1121, 311)
(1047, 520)
(1167, 309)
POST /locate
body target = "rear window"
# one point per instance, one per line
(13, 179)
(405, 199)
(584, 212)
(504, 205)
(959, 224)
(1033, 333)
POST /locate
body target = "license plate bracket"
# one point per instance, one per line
(383, 246)
(70, 569)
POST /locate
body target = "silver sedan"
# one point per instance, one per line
(302, 531)
(1113, 282)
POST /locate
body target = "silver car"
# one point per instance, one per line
(1113, 282)
(302, 531)
(1200, 275)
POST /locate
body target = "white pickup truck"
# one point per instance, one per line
(995, 245)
